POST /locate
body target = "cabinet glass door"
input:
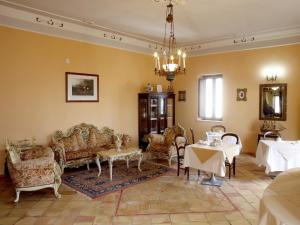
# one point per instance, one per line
(170, 112)
(154, 115)
(162, 114)
(143, 104)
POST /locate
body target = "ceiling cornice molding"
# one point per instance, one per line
(90, 33)
(267, 39)
(47, 25)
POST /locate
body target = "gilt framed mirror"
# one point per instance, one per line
(272, 101)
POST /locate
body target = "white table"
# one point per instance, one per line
(280, 203)
(113, 155)
(278, 155)
(210, 159)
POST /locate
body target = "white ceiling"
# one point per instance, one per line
(196, 21)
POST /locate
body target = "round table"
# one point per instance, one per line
(280, 203)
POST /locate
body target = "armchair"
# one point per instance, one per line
(32, 169)
(163, 145)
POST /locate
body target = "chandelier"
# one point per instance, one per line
(171, 61)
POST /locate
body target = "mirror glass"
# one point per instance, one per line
(272, 101)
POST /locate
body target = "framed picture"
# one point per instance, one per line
(82, 87)
(181, 96)
(241, 94)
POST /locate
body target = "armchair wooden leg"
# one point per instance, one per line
(198, 173)
(178, 167)
(234, 166)
(188, 173)
(17, 195)
(170, 161)
(229, 170)
(57, 195)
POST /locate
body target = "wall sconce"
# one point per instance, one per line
(271, 77)
(271, 73)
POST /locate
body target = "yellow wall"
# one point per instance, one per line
(32, 86)
(242, 70)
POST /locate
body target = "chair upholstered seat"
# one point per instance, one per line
(32, 169)
(162, 145)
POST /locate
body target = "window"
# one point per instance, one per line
(210, 97)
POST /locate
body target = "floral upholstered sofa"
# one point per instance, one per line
(163, 145)
(79, 145)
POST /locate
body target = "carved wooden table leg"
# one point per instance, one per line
(99, 165)
(110, 161)
(140, 160)
(127, 162)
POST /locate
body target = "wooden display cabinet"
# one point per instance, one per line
(156, 113)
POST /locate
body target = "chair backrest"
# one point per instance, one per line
(180, 143)
(230, 138)
(193, 136)
(170, 133)
(218, 128)
(271, 135)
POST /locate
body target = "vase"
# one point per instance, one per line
(118, 145)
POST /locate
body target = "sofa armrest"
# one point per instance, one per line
(36, 152)
(59, 154)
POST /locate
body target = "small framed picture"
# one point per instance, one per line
(181, 96)
(82, 87)
(241, 94)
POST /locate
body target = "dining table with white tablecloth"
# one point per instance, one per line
(280, 204)
(210, 158)
(278, 155)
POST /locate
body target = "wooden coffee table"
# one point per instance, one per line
(113, 155)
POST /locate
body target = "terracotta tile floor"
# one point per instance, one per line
(165, 200)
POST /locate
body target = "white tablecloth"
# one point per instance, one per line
(278, 155)
(280, 203)
(210, 159)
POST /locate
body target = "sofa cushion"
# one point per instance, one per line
(70, 143)
(36, 152)
(159, 147)
(83, 153)
(79, 154)
(97, 139)
(80, 141)
(92, 139)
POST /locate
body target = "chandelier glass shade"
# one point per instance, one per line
(171, 60)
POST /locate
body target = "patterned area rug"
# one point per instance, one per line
(88, 182)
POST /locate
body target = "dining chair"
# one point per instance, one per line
(193, 142)
(271, 135)
(218, 128)
(192, 135)
(230, 138)
(180, 143)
